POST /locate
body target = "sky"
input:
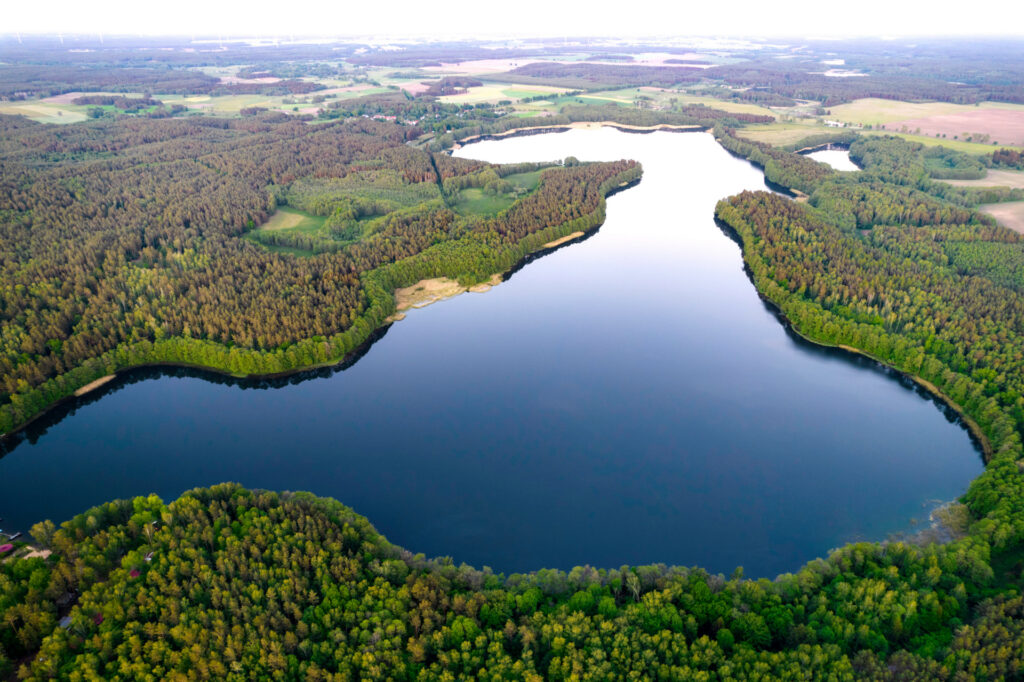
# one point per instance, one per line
(522, 18)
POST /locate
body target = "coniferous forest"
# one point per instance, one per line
(123, 245)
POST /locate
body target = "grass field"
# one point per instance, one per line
(994, 178)
(287, 219)
(477, 202)
(958, 145)
(293, 220)
(60, 110)
(1009, 214)
(44, 112)
(780, 134)
(871, 111)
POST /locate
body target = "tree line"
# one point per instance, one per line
(226, 583)
(120, 243)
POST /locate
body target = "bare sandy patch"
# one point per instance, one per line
(994, 178)
(562, 240)
(1008, 214)
(494, 281)
(428, 291)
(93, 385)
(41, 553)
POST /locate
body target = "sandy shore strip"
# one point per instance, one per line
(428, 291)
(562, 240)
(93, 385)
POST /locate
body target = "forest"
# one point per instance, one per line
(226, 583)
(122, 242)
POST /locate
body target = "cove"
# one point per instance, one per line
(626, 399)
(839, 159)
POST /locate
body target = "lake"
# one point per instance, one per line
(627, 399)
(837, 158)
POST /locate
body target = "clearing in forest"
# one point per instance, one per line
(292, 219)
(473, 200)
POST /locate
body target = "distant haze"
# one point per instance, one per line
(526, 18)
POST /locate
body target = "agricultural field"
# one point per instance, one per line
(994, 178)
(496, 92)
(42, 111)
(872, 111)
(956, 145)
(1008, 214)
(987, 122)
(781, 134)
(231, 105)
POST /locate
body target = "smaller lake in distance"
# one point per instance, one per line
(627, 399)
(837, 158)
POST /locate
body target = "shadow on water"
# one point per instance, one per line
(38, 428)
(41, 425)
(852, 358)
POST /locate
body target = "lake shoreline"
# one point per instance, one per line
(576, 125)
(971, 426)
(91, 389)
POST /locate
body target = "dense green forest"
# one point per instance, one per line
(225, 583)
(122, 242)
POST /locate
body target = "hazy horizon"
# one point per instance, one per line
(793, 20)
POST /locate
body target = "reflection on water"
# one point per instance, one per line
(626, 399)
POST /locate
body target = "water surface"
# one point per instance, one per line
(625, 400)
(837, 158)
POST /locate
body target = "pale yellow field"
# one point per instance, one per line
(1009, 214)
(994, 178)
(44, 113)
(780, 134)
(871, 111)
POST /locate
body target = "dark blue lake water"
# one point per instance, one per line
(625, 400)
